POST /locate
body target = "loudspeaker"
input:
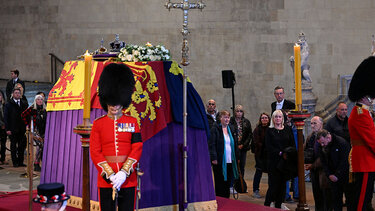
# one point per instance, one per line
(228, 78)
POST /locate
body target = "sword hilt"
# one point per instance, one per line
(114, 193)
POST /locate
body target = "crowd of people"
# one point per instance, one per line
(339, 154)
(15, 119)
(272, 141)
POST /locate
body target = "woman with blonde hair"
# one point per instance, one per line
(244, 135)
(278, 138)
(38, 111)
(223, 149)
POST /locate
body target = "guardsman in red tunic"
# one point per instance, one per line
(362, 135)
(115, 141)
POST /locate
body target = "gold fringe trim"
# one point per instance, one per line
(76, 202)
(351, 176)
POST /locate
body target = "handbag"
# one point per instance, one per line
(288, 166)
(239, 184)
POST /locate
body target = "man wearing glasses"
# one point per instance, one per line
(280, 102)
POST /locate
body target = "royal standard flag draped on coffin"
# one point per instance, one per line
(150, 100)
(67, 93)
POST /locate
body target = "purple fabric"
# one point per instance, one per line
(105, 55)
(162, 183)
(163, 165)
(62, 155)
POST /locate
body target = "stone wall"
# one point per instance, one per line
(254, 38)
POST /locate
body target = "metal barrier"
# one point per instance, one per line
(55, 70)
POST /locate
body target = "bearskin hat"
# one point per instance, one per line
(116, 85)
(362, 83)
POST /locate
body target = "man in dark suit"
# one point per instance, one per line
(14, 79)
(280, 102)
(15, 127)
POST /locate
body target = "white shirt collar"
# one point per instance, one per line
(282, 102)
(279, 105)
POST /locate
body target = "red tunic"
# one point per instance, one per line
(106, 135)
(362, 138)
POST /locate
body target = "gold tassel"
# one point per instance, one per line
(351, 177)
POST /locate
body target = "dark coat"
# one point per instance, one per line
(334, 158)
(24, 100)
(276, 142)
(247, 133)
(10, 86)
(311, 149)
(288, 166)
(12, 117)
(288, 105)
(2, 123)
(216, 143)
(338, 127)
(211, 120)
(259, 137)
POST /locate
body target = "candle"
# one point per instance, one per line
(297, 76)
(87, 86)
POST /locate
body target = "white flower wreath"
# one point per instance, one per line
(148, 52)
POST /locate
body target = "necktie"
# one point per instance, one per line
(18, 102)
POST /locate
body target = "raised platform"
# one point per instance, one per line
(19, 201)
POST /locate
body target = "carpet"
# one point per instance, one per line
(10, 201)
(224, 204)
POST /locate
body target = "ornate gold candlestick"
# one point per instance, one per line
(298, 115)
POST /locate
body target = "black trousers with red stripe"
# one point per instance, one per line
(125, 201)
(363, 189)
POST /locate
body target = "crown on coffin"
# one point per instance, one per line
(116, 45)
